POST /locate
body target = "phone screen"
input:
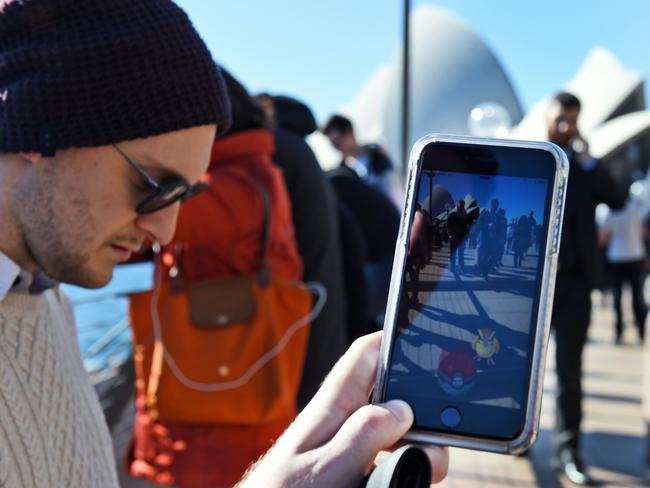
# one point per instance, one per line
(470, 289)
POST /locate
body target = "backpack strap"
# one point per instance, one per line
(151, 397)
(264, 273)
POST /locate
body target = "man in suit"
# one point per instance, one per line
(579, 271)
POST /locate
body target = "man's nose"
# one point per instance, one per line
(160, 225)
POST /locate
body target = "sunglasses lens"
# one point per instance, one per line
(167, 194)
(173, 193)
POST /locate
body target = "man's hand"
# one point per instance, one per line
(334, 441)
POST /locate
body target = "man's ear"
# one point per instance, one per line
(32, 157)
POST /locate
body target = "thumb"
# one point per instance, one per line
(366, 432)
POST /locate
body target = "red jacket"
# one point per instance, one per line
(219, 232)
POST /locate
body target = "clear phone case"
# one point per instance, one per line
(533, 404)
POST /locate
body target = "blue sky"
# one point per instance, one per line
(322, 52)
(516, 195)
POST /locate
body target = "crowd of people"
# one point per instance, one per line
(484, 229)
(105, 128)
(493, 237)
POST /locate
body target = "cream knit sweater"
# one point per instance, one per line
(52, 429)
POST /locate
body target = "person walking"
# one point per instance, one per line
(457, 229)
(579, 271)
(521, 240)
(500, 236)
(484, 244)
(510, 234)
(623, 231)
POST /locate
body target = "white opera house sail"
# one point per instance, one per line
(458, 86)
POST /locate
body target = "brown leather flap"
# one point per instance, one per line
(221, 301)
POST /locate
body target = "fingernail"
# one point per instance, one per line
(401, 410)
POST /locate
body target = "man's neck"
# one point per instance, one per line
(13, 246)
(12, 243)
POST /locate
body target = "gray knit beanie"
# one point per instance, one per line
(79, 73)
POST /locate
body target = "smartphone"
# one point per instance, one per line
(469, 307)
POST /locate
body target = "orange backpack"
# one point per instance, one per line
(223, 350)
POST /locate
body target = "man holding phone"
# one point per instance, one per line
(107, 118)
(579, 271)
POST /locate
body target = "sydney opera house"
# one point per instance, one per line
(458, 86)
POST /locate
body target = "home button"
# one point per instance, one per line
(450, 417)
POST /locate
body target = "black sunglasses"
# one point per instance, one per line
(164, 193)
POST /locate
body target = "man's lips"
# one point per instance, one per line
(123, 253)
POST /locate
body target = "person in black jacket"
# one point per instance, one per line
(579, 271)
(353, 253)
(315, 218)
(457, 227)
(293, 119)
(378, 219)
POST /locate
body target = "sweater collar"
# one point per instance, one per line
(251, 142)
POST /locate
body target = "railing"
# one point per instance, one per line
(102, 318)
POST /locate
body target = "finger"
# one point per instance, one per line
(344, 391)
(369, 430)
(350, 381)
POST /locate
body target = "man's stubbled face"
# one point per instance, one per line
(76, 211)
(57, 227)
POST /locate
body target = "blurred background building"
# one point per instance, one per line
(459, 86)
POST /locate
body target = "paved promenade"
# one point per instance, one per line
(614, 430)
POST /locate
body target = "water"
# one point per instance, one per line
(102, 316)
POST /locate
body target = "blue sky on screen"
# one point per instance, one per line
(518, 196)
(323, 52)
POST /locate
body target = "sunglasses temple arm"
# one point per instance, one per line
(140, 171)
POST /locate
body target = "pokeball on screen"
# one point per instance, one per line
(456, 373)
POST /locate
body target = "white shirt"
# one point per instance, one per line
(16, 280)
(625, 227)
(9, 271)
